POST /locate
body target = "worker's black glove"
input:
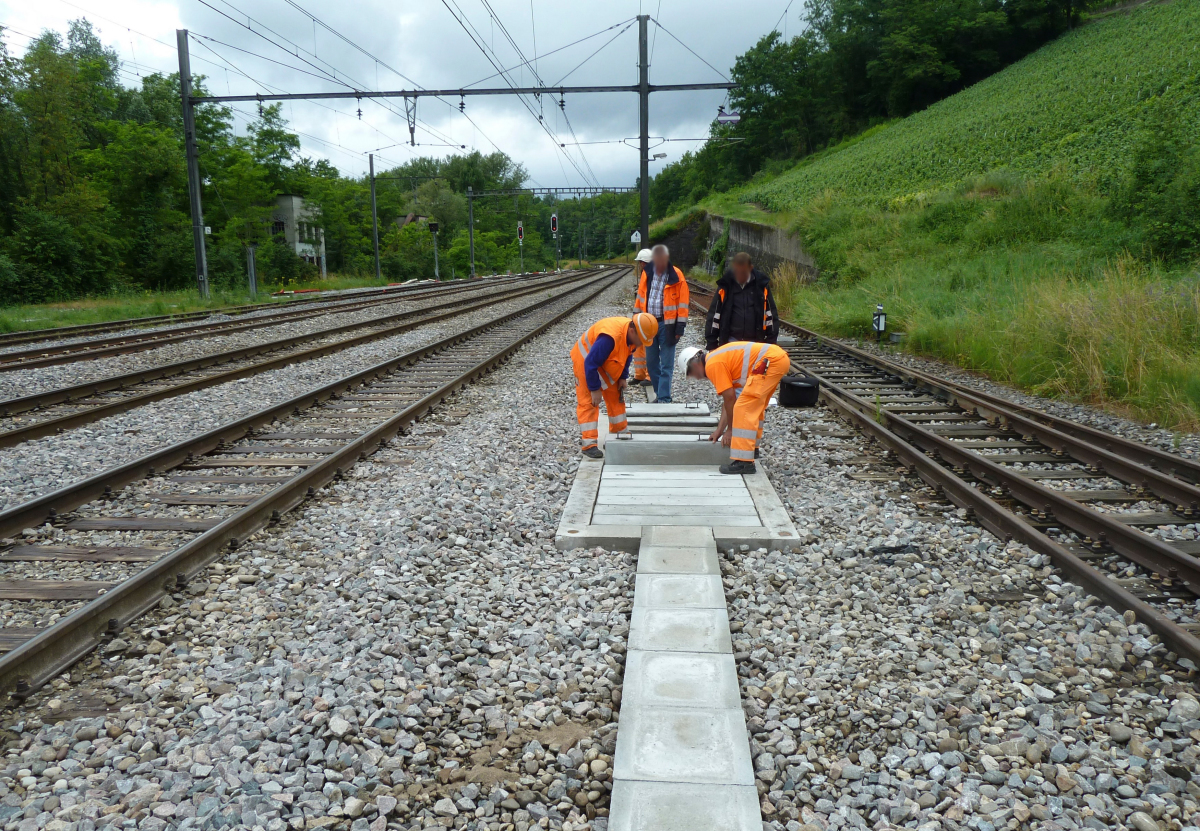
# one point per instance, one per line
(676, 337)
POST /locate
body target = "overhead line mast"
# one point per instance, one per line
(643, 88)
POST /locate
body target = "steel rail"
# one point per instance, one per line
(1118, 457)
(140, 342)
(410, 320)
(36, 511)
(1134, 545)
(45, 656)
(81, 329)
(1007, 525)
(1105, 447)
(920, 449)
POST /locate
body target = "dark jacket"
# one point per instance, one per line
(750, 309)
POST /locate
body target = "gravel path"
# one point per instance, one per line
(40, 466)
(30, 381)
(408, 651)
(1184, 444)
(890, 674)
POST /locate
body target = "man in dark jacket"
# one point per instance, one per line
(743, 309)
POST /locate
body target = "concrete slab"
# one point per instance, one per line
(653, 507)
(611, 496)
(680, 630)
(670, 470)
(680, 538)
(643, 432)
(664, 435)
(665, 449)
(589, 518)
(657, 806)
(664, 744)
(638, 520)
(679, 679)
(656, 560)
(638, 409)
(654, 421)
(678, 591)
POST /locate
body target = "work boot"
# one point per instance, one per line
(739, 467)
(645, 382)
(594, 452)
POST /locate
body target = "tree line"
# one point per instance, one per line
(93, 191)
(856, 64)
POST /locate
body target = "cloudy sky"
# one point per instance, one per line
(424, 41)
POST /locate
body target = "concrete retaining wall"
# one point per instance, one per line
(767, 244)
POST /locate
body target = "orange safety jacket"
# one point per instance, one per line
(675, 299)
(731, 365)
(611, 370)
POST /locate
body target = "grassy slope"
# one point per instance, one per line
(1070, 107)
(981, 223)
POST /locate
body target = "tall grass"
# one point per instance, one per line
(1029, 283)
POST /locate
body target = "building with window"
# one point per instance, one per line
(293, 220)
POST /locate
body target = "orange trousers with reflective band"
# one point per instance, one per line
(640, 373)
(750, 410)
(589, 414)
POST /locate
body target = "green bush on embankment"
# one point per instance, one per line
(1042, 226)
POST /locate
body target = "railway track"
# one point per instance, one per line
(182, 507)
(64, 408)
(83, 330)
(127, 342)
(1120, 518)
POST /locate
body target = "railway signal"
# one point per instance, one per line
(879, 322)
(554, 234)
(521, 243)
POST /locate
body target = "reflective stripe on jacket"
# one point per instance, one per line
(718, 327)
(611, 371)
(735, 361)
(675, 298)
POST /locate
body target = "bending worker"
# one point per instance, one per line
(745, 375)
(601, 358)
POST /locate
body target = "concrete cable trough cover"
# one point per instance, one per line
(682, 759)
(664, 472)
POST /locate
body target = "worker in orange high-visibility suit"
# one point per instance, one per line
(640, 374)
(746, 376)
(663, 292)
(601, 358)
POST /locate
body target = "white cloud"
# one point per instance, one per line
(423, 41)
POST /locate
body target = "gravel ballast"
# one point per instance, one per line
(23, 382)
(409, 651)
(37, 467)
(910, 669)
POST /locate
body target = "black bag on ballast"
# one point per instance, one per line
(800, 390)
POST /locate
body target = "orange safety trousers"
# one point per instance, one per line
(639, 365)
(750, 410)
(589, 414)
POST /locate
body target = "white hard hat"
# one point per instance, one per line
(644, 256)
(685, 357)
